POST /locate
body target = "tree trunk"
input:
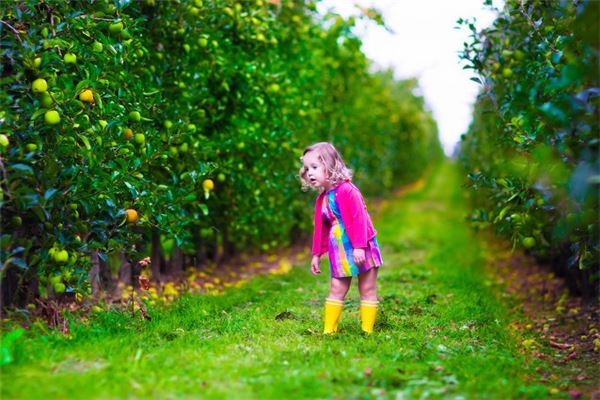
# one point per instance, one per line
(32, 289)
(177, 261)
(125, 270)
(156, 255)
(218, 246)
(95, 273)
(200, 249)
(8, 288)
(106, 281)
(227, 247)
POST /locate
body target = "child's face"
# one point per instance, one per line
(315, 170)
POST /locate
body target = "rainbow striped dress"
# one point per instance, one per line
(341, 258)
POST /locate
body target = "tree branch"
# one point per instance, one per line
(16, 32)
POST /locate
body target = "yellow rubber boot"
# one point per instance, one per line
(333, 309)
(368, 313)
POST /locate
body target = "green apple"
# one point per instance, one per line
(528, 242)
(135, 116)
(97, 47)
(52, 117)
(39, 86)
(61, 256)
(115, 28)
(46, 100)
(273, 88)
(70, 58)
(59, 288)
(139, 139)
(519, 55)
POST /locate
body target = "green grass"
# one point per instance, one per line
(441, 332)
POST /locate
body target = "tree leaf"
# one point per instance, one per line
(22, 167)
(204, 208)
(49, 193)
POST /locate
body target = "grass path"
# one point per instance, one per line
(441, 333)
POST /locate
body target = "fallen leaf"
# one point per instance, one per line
(571, 356)
(527, 343)
(559, 345)
(144, 282)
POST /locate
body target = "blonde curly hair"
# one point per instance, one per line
(335, 168)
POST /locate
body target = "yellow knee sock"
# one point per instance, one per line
(333, 309)
(368, 312)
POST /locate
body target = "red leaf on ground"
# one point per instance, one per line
(575, 394)
(559, 345)
(571, 356)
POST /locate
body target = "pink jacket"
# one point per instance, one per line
(355, 218)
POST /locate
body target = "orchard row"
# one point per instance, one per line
(173, 129)
(532, 149)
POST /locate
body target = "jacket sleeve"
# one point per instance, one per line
(354, 216)
(319, 244)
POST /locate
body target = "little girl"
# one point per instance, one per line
(344, 229)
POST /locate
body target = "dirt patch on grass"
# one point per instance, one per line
(558, 327)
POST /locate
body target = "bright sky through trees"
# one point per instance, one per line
(425, 45)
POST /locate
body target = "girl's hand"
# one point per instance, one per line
(314, 265)
(359, 257)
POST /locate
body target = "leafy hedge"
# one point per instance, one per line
(532, 148)
(181, 121)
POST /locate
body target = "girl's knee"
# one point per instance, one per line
(367, 287)
(369, 293)
(336, 296)
(339, 288)
(338, 293)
